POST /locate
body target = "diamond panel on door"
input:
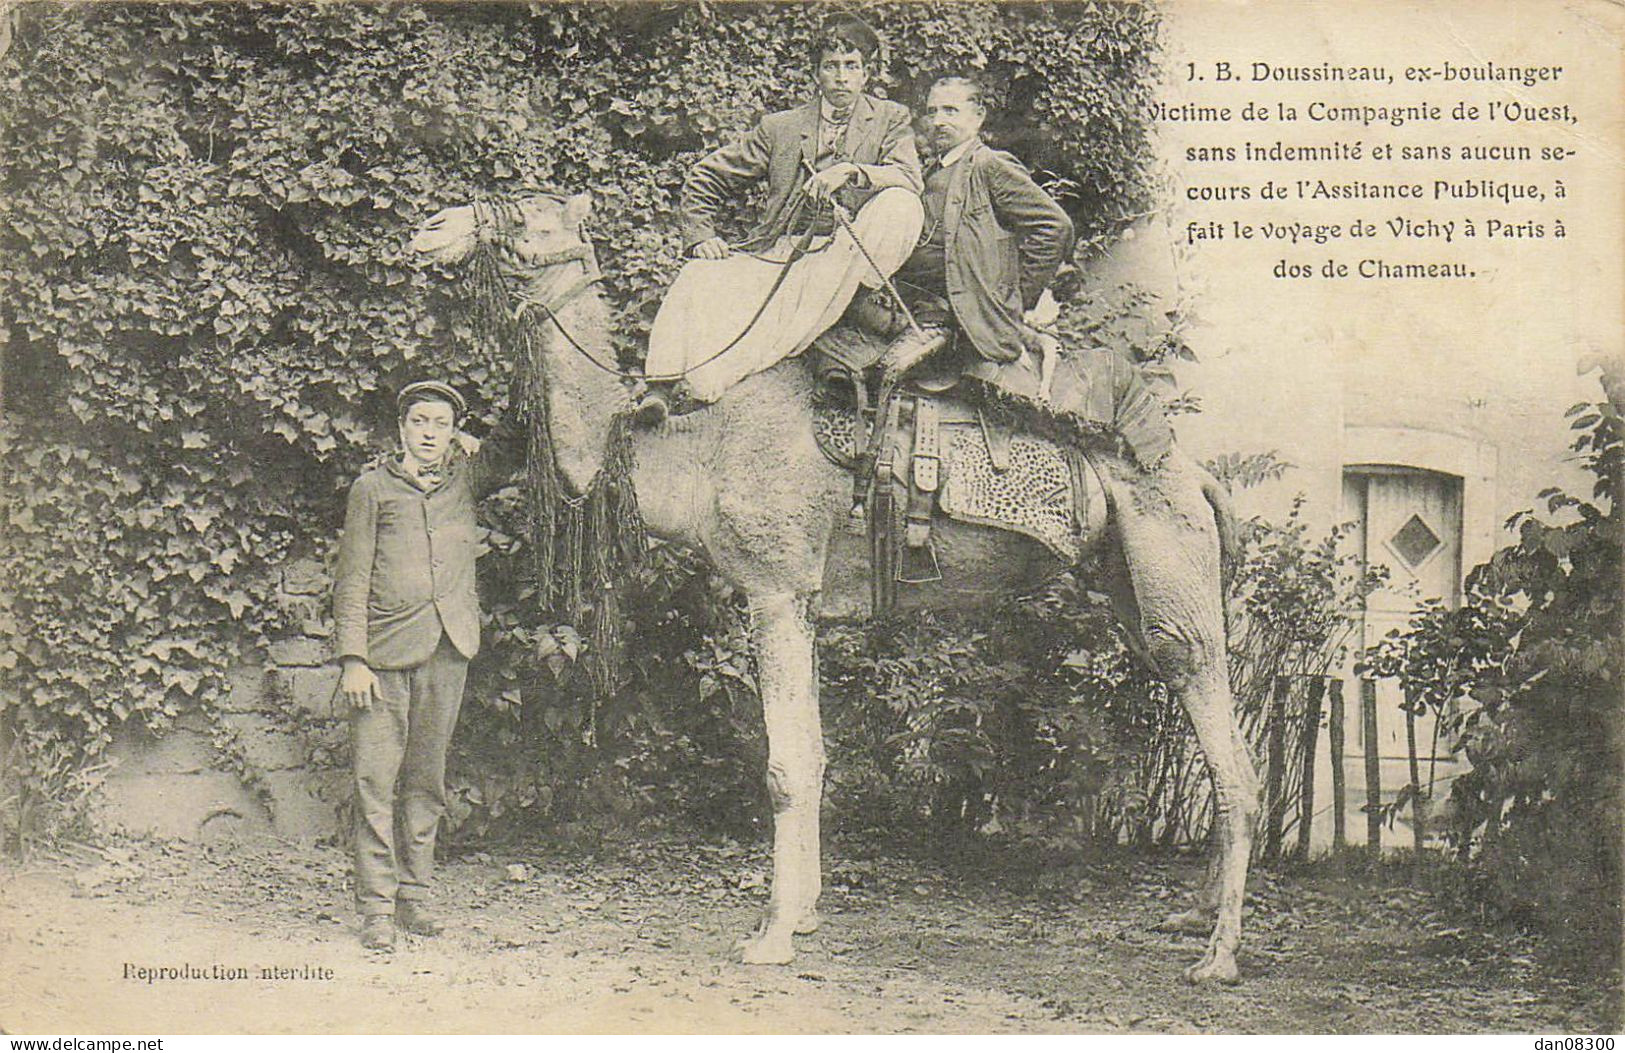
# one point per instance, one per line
(1415, 542)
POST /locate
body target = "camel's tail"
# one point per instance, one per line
(1224, 517)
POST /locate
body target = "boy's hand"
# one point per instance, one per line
(470, 445)
(358, 684)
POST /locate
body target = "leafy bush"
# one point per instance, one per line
(1525, 678)
(1036, 722)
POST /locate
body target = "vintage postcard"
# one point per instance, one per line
(914, 517)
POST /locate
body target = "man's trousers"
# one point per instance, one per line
(399, 748)
(705, 331)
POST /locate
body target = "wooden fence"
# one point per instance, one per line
(1284, 735)
(1298, 707)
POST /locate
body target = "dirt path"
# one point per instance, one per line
(636, 936)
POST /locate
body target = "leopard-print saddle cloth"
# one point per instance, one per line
(990, 474)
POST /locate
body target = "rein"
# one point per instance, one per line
(583, 251)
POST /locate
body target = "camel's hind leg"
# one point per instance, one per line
(1170, 547)
(782, 638)
(1116, 582)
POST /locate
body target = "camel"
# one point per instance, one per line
(744, 482)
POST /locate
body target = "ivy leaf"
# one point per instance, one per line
(238, 601)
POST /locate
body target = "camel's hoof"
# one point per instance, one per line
(1188, 922)
(1214, 969)
(807, 924)
(768, 949)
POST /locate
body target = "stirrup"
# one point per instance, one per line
(857, 519)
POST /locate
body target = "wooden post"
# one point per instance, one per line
(1418, 835)
(1335, 730)
(1311, 740)
(1373, 769)
(1276, 733)
(11, 800)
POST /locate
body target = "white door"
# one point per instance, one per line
(1409, 521)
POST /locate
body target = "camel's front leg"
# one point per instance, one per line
(786, 667)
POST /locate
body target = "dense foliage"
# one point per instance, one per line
(1525, 678)
(206, 302)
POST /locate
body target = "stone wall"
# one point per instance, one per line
(274, 762)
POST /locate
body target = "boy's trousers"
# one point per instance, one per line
(401, 740)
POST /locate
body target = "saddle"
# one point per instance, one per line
(988, 446)
(1097, 398)
(941, 456)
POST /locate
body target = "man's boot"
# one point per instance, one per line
(416, 919)
(378, 932)
(654, 406)
(662, 399)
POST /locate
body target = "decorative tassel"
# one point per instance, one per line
(585, 548)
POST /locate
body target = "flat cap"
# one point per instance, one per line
(430, 389)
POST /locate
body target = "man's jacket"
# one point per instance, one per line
(1004, 239)
(879, 141)
(406, 560)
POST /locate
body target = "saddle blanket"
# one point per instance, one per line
(990, 474)
(1095, 396)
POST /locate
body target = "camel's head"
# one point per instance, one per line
(530, 234)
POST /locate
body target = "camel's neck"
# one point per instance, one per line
(584, 399)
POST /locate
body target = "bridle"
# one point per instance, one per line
(494, 223)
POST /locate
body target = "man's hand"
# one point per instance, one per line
(711, 249)
(1044, 313)
(470, 445)
(822, 186)
(358, 684)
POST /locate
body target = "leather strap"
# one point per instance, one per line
(998, 443)
(925, 473)
(927, 444)
(882, 539)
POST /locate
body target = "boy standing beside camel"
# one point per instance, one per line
(407, 620)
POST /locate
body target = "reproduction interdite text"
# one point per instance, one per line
(189, 971)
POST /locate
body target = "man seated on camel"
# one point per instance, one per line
(993, 241)
(975, 287)
(735, 311)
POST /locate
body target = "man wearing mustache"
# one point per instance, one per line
(993, 240)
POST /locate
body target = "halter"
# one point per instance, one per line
(495, 219)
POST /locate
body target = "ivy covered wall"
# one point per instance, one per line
(205, 303)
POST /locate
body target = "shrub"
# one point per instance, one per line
(207, 303)
(1525, 678)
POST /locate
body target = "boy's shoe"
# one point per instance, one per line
(378, 932)
(414, 918)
